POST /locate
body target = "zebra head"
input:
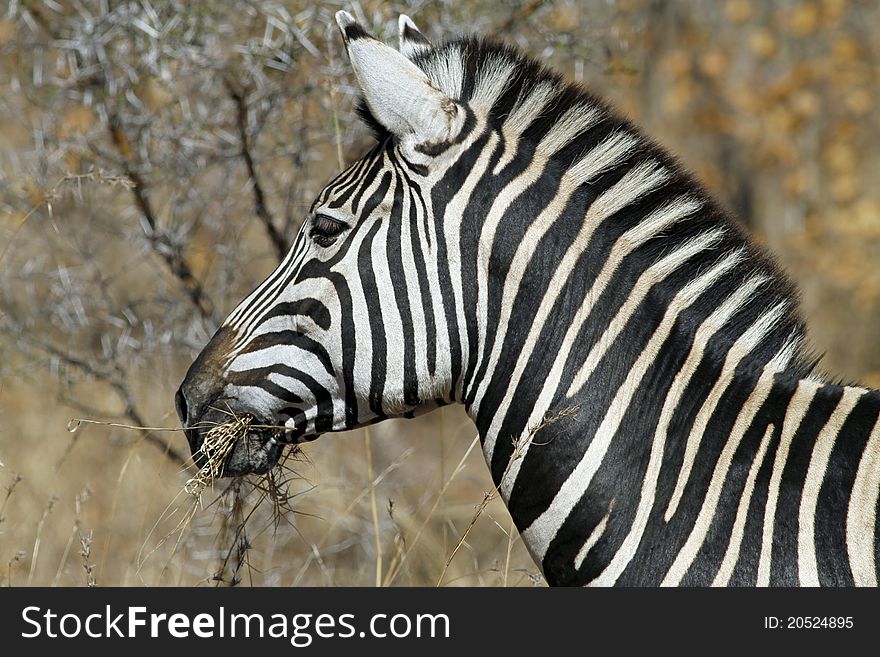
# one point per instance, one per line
(345, 332)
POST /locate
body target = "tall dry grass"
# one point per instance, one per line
(391, 505)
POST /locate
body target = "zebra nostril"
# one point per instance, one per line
(180, 405)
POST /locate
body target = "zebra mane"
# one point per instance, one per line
(530, 100)
(538, 106)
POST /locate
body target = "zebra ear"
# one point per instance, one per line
(412, 41)
(399, 94)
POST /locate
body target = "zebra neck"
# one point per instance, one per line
(721, 473)
(589, 336)
(568, 277)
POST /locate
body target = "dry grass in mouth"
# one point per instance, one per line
(237, 501)
(240, 511)
(218, 444)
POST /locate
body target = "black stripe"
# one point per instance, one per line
(354, 32)
(305, 307)
(833, 503)
(397, 273)
(784, 565)
(711, 553)
(376, 325)
(745, 572)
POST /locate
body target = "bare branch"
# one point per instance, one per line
(275, 236)
(161, 244)
(130, 410)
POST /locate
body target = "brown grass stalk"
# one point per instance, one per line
(392, 574)
(519, 448)
(373, 509)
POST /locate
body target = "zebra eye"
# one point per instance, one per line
(325, 229)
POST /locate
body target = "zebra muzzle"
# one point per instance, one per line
(255, 446)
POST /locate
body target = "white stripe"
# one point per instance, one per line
(861, 516)
(526, 110)
(601, 158)
(695, 539)
(808, 570)
(658, 221)
(798, 406)
(722, 577)
(635, 183)
(575, 120)
(492, 80)
(542, 531)
(511, 148)
(530, 107)
(626, 190)
(714, 323)
(360, 309)
(392, 335)
(650, 277)
(594, 537)
(740, 349)
(425, 381)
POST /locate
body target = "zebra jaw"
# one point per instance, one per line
(255, 452)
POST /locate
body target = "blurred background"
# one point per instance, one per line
(157, 158)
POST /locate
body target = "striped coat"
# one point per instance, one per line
(635, 365)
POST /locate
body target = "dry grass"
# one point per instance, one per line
(350, 509)
(218, 444)
(246, 517)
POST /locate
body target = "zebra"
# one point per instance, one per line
(636, 366)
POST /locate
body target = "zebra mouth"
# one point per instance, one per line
(257, 452)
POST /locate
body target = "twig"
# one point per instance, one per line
(85, 541)
(16, 480)
(122, 390)
(373, 509)
(161, 244)
(389, 578)
(519, 449)
(74, 424)
(510, 540)
(275, 236)
(76, 530)
(234, 533)
(38, 538)
(18, 556)
(218, 444)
